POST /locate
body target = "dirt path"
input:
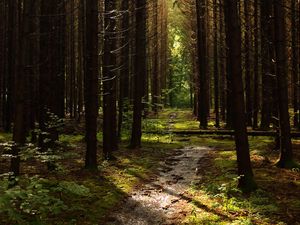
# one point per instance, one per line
(164, 200)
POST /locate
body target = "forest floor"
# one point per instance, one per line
(196, 184)
(165, 199)
(172, 179)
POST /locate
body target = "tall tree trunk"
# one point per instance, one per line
(155, 78)
(216, 64)
(109, 81)
(140, 73)
(266, 56)
(295, 63)
(11, 63)
(286, 156)
(125, 59)
(23, 73)
(233, 38)
(222, 63)
(248, 73)
(91, 69)
(256, 67)
(202, 57)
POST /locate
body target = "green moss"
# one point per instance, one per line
(224, 164)
(202, 218)
(5, 137)
(186, 125)
(71, 138)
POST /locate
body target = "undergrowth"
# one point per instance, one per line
(217, 200)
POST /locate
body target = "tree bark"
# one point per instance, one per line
(91, 69)
(140, 73)
(202, 60)
(286, 153)
(233, 38)
(109, 81)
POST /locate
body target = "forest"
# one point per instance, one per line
(161, 112)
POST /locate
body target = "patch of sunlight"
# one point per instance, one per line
(223, 144)
(224, 164)
(154, 125)
(186, 125)
(99, 136)
(260, 143)
(157, 138)
(71, 138)
(241, 221)
(198, 217)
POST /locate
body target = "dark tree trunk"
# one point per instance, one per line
(91, 69)
(23, 72)
(202, 59)
(216, 65)
(222, 63)
(109, 82)
(11, 63)
(140, 73)
(266, 56)
(248, 73)
(48, 74)
(155, 78)
(286, 156)
(295, 63)
(256, 67)
(233, 38)
(125, 59)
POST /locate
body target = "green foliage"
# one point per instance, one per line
(71, 139)
(180, 70)
(202, 218)
(54, 122)
(5, 137)
(180, 64)
(36, 200)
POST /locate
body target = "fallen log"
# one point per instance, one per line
(255, 133)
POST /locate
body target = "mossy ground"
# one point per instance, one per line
(275, 202)
(217, 200)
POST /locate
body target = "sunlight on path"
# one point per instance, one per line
(163, 201)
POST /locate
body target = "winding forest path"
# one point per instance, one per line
(164, 200)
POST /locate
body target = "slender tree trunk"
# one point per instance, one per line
(233, 38)
(109, 82)
(155, 78)
(216, 65)
(202, 57)
(256, 67)
(286, 156)
(222, 63)
(140, 73)
(125, 59)
(248, 74)
(295, 62)
(91, 69)
(266, 56)
(23, 73)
